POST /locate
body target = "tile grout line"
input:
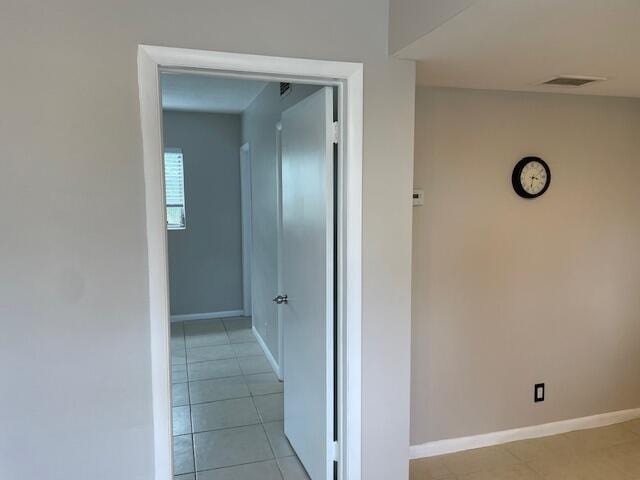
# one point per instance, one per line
(193, 447)
(242, 375)
(275, 458)
(219, 359)
(226, 376)
(193, 443)
(267, 437)
(230, 398)
(241, 464)
(251, 395)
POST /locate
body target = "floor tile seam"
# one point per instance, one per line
(259, 422)
(228, 428)
(233, 398)
(248, 342)
(193, 445)
(218, 378)
(230, 398)
(242, 464)
(273, 452)
(237, 357)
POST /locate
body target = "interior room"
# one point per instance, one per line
(458, 271)
(510, 292)
(525, 310)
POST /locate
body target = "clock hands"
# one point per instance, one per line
(531, 177)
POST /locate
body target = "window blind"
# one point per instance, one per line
(174, 188)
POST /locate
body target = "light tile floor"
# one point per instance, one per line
(227, 406)
(607, 453)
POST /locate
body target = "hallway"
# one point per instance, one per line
(227, 405)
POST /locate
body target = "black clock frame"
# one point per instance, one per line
(517, 184)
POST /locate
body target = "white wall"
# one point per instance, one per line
(510, 292)
(410, 20)
(74, 350)
(259, 129)
(205, 259)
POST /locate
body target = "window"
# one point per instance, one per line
(174, 188)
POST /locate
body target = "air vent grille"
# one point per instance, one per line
(572, 81)
(285, 88)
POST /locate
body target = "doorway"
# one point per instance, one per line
(231, 414)
(347, 80)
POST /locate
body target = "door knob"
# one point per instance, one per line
(280, 299)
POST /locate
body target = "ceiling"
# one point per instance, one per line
(207, 93)
(517, 44)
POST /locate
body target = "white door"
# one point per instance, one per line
(307, 280)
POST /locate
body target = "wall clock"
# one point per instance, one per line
(531, 177)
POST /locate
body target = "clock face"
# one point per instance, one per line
(531, 177)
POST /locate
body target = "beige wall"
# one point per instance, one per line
(74, 348)
(509, 292)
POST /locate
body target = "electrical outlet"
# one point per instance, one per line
(418, 197)
(538, 392)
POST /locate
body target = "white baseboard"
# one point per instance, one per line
(267, 352)
(206, 315)
(441, 447)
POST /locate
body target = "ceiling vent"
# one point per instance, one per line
(285, 88)
(572, 81)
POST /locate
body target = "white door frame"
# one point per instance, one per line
(278, 133)
(348, 77)
(247, 236)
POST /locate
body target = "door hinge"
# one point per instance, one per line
(336, 132)
(336, 451)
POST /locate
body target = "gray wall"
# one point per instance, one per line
(509, 292)
(205, 259)
(259, 129)
(74, 349)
